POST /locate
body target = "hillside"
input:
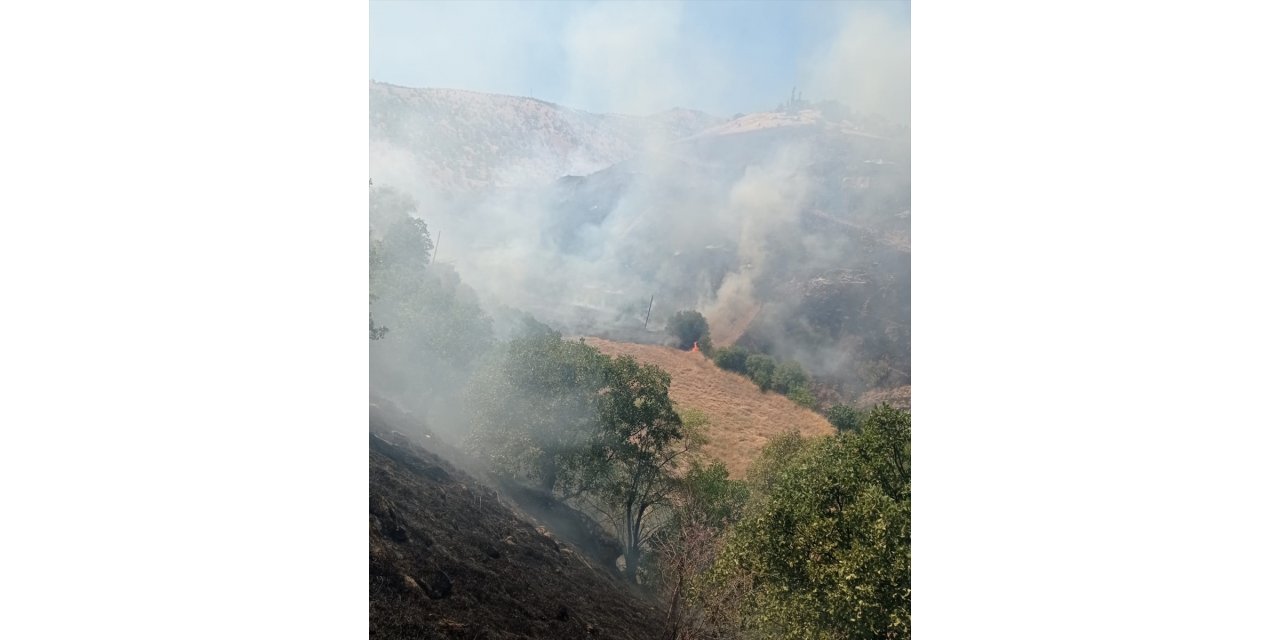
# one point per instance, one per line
(742, 418)
(789, 231)
(450, 558)
(455, 142)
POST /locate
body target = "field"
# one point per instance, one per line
(742, 417)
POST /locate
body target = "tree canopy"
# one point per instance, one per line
(826, 546)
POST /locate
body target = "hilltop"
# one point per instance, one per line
(743, 418)
(457, 142)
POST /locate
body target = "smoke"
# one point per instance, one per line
(738, 223)
(868, 65)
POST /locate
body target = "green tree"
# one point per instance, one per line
(776, 457)
(376, 332)
(731, 359)
(760, 369)
(688, 327)
(708, 496)
(706, 502)
(789, 377)
(407, 245)
(845, 418)
(826, 548)
(641, 441)
(534, 409)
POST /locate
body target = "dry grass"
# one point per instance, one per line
(742, 418)
(898, 397)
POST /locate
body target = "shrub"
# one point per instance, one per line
(760, 369)
(732, 359)
(789, 377)
(845, 418)
(688, 327)
(802, 396)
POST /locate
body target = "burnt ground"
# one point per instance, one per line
(449, 557)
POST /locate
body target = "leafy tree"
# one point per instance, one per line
(706, 503)
(760, 369)
(375, 262)
(708, 496)
(731, 359)
(845, 418)
(773, 461)
(826, 548)
(407, 245)
(435, 328)
(688, 327)
(386, 205)
(640, 444)
(789, 377)
(535, 408)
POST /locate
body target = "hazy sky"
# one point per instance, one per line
(720, 57)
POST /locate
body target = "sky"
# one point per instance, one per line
(641, 58)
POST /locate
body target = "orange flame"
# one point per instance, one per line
(695, 347)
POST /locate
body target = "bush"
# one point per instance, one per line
(689, 327)
(789, 377)
(803, 397)
(731, 359)
(845, 418)
(760, 369)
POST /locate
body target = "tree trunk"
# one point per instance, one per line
(547, 472)
(633, 563)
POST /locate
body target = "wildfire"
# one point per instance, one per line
(695, 347)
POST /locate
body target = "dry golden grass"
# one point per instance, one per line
(742, 418)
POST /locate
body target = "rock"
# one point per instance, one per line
(412, 585)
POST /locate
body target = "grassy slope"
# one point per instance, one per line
(742, 418)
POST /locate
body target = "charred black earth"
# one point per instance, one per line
(450, 558)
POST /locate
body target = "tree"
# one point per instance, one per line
(407, 245)
(535, 409)
(845, 418)
(688, 327)
(706, 502)
(789, 377)
(641, 440)
(731, 359)
(760, 369)
(376, 332)
(826, 547)
(388, 204)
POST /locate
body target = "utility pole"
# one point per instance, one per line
(439, 234)
(646, 314)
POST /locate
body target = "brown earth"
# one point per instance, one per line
(897, 397)
(451, 558)
(743, 418)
